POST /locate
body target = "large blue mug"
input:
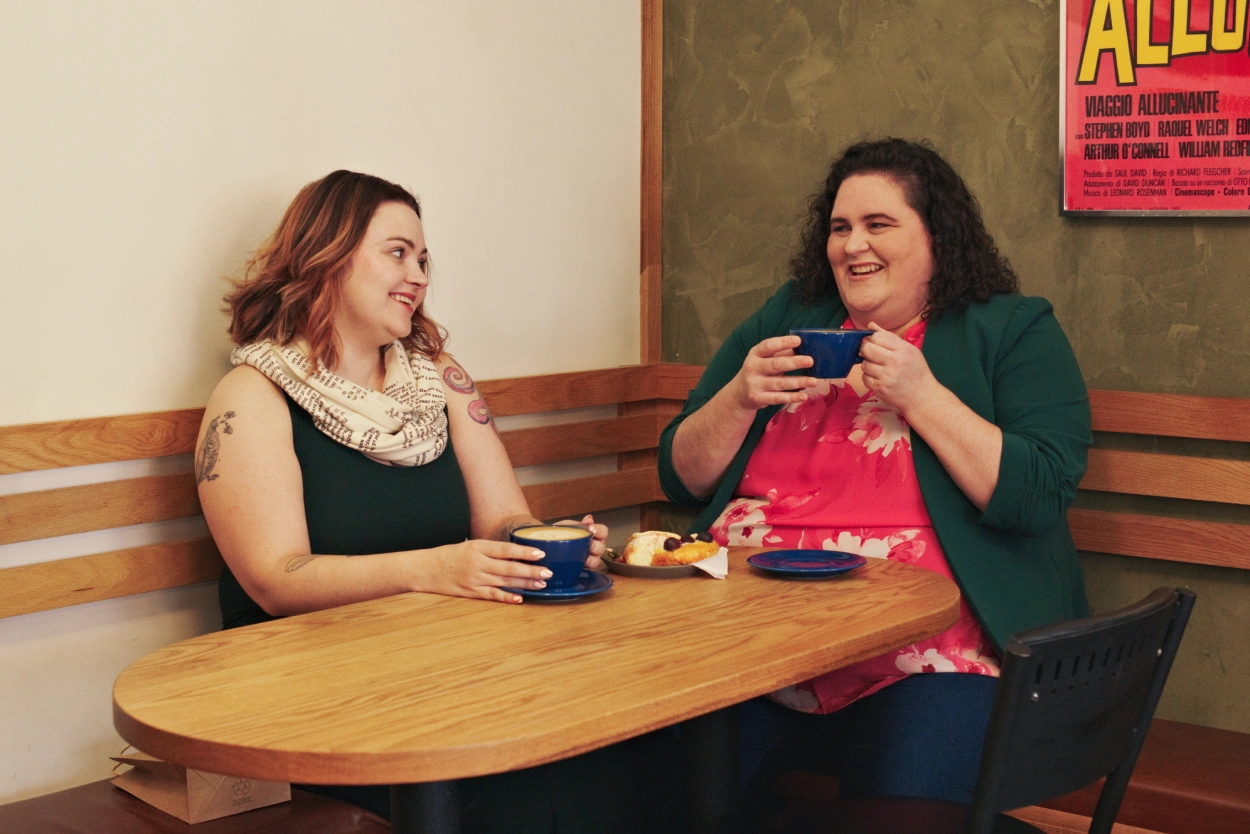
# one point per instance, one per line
(834, 352)
(566, 547)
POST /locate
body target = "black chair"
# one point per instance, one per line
(1073, 705)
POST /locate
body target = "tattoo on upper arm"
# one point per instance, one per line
(480, 413)
(206, 458)
(299, 562)
(458, 381)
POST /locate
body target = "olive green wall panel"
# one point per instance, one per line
(760, 95)
(1210, 677)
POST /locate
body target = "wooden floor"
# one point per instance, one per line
(1059, 822)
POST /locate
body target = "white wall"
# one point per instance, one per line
(148, 146)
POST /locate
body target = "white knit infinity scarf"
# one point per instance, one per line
(405, 425)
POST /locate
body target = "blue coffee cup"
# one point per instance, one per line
(834, 352)
(566, 547)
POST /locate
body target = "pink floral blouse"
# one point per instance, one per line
(836, 473)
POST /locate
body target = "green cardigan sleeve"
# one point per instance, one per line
(719, 372)
(1042, 408)
(1009, 361)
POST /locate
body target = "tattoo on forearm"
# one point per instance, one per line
(299, 562)
(458, 381)
(206, 458)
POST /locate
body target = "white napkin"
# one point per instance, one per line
(716, 566)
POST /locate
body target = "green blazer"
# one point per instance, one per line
(1009, 361)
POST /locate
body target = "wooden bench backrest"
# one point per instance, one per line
(1220, 478)
(646, 397)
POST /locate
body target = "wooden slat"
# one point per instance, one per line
(120, 573)
(1168, 476)
(98, 440)
(652, 183)
(572, 441)
(580, 389)
(1171, 415)
(1061, 822)
(578, 496)
(648, 513)
(79, 509)
(1158, 537)
(673, 381)
(666, 410)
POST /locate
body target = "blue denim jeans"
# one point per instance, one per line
(920, 736)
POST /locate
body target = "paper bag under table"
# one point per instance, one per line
(195, 795)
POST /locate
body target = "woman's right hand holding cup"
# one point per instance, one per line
(762, 381)
(707, 440)
(480, 568)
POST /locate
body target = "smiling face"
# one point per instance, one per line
(387, 281)
(880, 251)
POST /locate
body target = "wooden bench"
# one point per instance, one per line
(615, 411)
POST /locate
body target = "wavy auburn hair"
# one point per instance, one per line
(293, 283)
(966, 263)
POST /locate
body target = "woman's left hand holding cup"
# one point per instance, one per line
(598, 540)
(895, 370)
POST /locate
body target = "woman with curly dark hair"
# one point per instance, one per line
(966, 263)
(956, 445)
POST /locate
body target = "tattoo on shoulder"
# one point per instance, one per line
(206, 458)
(457, 380)
(299, 562)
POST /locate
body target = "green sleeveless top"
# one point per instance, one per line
(355, 506)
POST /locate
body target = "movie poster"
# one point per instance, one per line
(1155, 116)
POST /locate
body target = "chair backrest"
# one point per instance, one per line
(1074, 704)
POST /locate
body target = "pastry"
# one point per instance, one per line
(657, 548)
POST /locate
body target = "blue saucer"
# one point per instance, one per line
(806, 563)
(588, 584)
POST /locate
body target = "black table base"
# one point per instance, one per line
(425, 808)
(709, 752)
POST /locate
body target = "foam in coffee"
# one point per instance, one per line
(549, 534)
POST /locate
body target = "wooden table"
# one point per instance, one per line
(424, 689)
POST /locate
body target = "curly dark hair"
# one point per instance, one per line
(967, 266)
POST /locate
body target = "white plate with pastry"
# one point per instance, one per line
(655, 554)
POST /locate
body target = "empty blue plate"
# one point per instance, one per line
(806, 563)
(588, 584)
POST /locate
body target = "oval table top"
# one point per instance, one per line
(418, 687)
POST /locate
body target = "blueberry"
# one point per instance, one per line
(671, 543)
(705, 536)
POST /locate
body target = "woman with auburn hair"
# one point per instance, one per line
(349, 457)
(956, 445)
